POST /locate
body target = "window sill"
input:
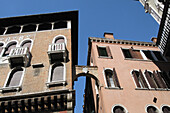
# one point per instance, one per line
(105, 57)
(117, 88)
(9, 89)
(153, 89)
(48, 84)
(146, 60)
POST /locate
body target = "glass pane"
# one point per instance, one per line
(102, 51)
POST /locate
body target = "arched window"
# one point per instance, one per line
(57, 73)
(111, 78)
(27, 43)
(139, 79)
(9, 47)
(151, 80)
(118, 109)
(59, 40)
(14, 78)
(166, 109)
(152, 109)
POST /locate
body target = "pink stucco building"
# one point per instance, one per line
(130, 77)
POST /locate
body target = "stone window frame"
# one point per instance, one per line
(25, 40)
(148, 105)
(126, 111)
(106, 86)
(143, 77)
(63, 82)
(164, 105)
(17, 88)
(108, 51)
(58, 36)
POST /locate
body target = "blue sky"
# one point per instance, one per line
(125, 18)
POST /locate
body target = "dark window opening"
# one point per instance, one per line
(148, 55)
(158, 55)
(138, 79)
(166, 109)
(102, 51)
(151, 79)
(45, 26)
(1, 47)
(14, 29)
(29, 28)
(2, 30)
(118, 109)
(152, 109)
(126, 53)
(59, 25)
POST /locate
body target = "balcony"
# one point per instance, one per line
(57, 52)
(19, 56)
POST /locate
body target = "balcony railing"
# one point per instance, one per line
(58, 47)
(57, 52)
(19, 56)
(19, 51)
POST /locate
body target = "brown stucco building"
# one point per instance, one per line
(129, 77)
(37, 58)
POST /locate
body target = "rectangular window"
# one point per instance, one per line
(104, 51)
(158, 55)
(127, 53)
(131, 53)
(148, 54)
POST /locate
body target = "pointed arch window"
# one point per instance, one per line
(15, 77)
(9, 47)
(26, 44)
(56, 74)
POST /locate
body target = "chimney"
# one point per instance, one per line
(154, 39)
(108, 35)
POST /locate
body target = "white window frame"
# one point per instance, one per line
(164, 105)
(152, 106)
(25, 40)
(14, 87)
(58, 36)
(147, 79)
(106, 51)
(126, 111)
(106, 80)
(48, 83)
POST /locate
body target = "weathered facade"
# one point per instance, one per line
(38, 54)
(133, 77)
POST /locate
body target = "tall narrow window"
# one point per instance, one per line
(9, 47)
(118, 109)
(14, 78)
(104, 51)
(166, 109)
(139, 79)
(151, 79)
(152, 109)
(166, 78)
(158, 55)
(111, 78)
(1, 47)
(158, 79)
(148, 55)
(57, 73)
(127, 53)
